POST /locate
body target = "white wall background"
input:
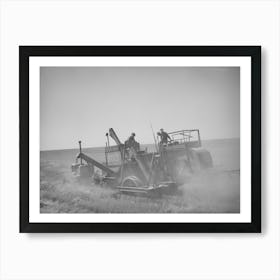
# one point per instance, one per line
(124, 256)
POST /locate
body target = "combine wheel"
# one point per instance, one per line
(205, 159)
(131, 181)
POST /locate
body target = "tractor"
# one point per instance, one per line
(138, 170)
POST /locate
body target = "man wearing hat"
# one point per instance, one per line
(163, 136)
(131, 139)
(131, 142)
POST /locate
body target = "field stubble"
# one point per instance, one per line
(215, 190)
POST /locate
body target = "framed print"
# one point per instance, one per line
(140, 138)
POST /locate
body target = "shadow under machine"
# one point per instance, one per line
(131, 169)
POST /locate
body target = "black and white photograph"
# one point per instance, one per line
(139, 139)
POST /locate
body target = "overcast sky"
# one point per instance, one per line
(82, 103)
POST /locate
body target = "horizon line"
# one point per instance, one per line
(90, 147)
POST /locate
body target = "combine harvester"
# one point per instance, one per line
(140, 171)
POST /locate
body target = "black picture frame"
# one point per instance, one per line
(25, 52)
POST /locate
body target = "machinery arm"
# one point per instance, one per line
(114, 136)
(96, 163)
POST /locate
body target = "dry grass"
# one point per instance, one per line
(211, 191)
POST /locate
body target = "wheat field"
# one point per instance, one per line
(215, 190)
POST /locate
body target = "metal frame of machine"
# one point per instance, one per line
(140, 171)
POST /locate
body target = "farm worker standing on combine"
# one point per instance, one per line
(163, 136)
(131, 142)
